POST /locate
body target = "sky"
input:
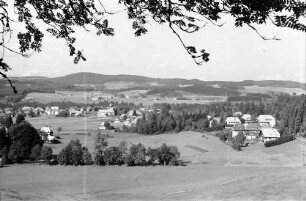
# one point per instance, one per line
(235, 53)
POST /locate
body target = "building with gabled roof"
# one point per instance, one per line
(269, 134)
(247, 118)
(252, 130)
(266, 119)
(231, 121)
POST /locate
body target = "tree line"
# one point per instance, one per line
(289, 112)
(135, 155)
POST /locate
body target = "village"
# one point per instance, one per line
(261, 128)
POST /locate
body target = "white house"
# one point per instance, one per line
(48, 134)
(247, 118)
(266, 119)
(269, 134)
(231, 121)
(108, 112)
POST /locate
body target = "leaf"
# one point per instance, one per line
(191, 49)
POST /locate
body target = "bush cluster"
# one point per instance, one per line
(279, 141)
(136, 155)
(74, 154)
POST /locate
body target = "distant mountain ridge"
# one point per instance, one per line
(119, 83)
(94, 78)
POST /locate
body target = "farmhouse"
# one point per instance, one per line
(54, 110)
(47, 134)
(269, 134)
(107, 112)
(252, 130)
(231, 121)
(132, 113)
(247, 118)
(266, 119)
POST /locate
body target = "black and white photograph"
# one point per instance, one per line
(147, 100)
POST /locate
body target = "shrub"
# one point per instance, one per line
(168, 155)
(87, 159)
(152, 155)
(72, 154)
(8, 122)
(223, 135)
(4, 142)
(36, 152)
(100, 146)
(136, 155)
(46, 153)
(279, 141)
(214, 128)
(113, 156)
(20, 118)
(63, 113)
(238, 141)
(24, 137)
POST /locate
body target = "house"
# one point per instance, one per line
(269, 134)
(54, 110)
(237, 128)
(266, 119)
(265, 125)
(231, 121)
(38, 111)
(107, 112)
(47, 134)
(132, 113)
(247, 118)
(252, 130)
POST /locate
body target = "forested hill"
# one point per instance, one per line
(94, 78)
(156, 86)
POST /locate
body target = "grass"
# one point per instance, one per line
(267, 90)
(215, 171)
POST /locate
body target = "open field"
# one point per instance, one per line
(85, 129)
(85, 97)
(214, 170)
(268, 90)
(193, 182)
